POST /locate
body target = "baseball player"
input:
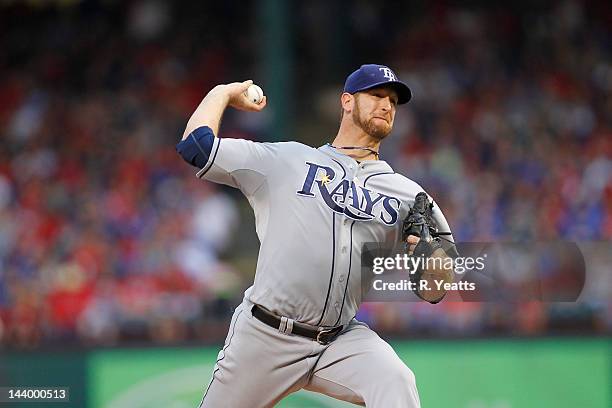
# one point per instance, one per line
(314, 208)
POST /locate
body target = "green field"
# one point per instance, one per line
(463, 374)
(544, 373)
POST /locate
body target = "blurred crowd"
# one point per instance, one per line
(106, 235)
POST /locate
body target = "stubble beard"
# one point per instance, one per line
(378, 132)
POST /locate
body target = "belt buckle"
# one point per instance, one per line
(324, 332)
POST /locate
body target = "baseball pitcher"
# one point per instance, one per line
(314, 208)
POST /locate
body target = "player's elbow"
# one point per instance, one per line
(196, 147)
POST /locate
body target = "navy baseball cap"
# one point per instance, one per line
(370, 76)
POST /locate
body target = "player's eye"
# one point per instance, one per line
(382, 94)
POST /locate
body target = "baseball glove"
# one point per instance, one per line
(420, 223)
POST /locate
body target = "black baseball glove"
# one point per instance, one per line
(420, 223)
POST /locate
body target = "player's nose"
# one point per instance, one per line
(386, 104)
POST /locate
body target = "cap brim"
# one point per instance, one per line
(404, 94)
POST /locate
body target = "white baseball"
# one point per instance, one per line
(254, 93)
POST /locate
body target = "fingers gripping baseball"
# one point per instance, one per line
(245, 99)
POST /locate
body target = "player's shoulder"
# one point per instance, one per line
(402, 185)
(406, 182)
(292, 149)
(291, 145)
(396, 178)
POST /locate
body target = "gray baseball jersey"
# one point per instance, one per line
(314, 208)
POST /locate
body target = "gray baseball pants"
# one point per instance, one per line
(258, 366)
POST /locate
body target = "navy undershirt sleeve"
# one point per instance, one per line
(196, 148)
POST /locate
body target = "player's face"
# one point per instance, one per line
(374, 111)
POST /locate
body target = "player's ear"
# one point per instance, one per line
(348, 101)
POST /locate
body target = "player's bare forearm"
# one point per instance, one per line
(211, 109)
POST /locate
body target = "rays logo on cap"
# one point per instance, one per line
(370, 76)
(388, 73)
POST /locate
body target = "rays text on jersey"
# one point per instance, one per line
(348, 198)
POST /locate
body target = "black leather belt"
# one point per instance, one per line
(320, 335)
